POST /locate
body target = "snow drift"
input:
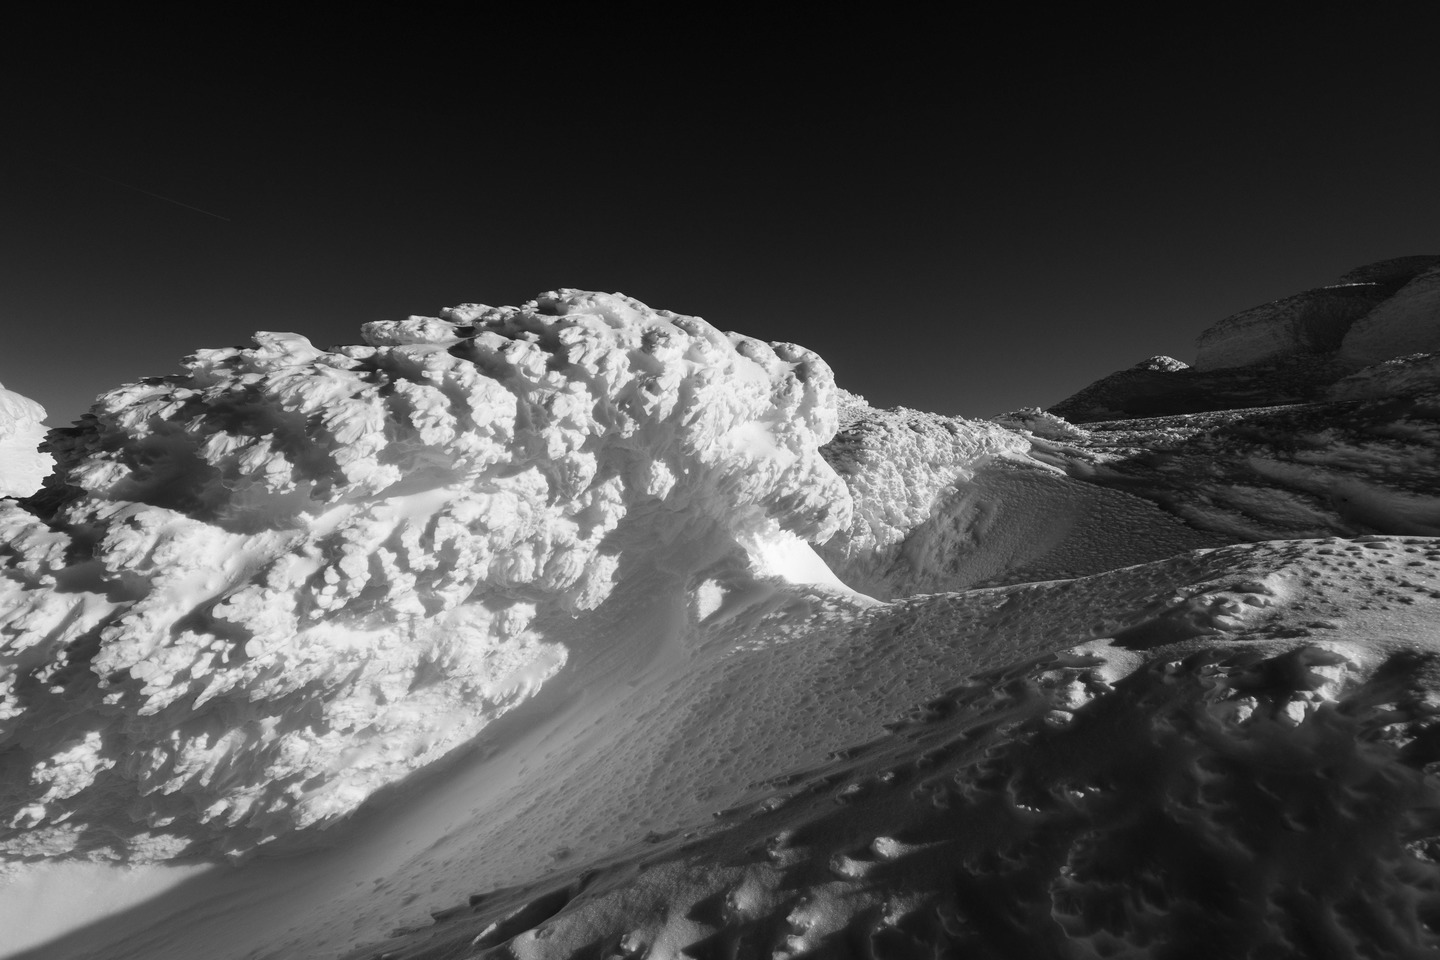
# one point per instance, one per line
(255, 593)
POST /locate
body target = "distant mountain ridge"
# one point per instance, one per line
(1291, 350)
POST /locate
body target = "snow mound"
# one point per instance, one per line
(256, 592)
(22, 466)
(1311, 322)
(1162, 362)
(1039, 423)
(944, 503)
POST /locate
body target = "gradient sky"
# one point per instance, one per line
(963, 219)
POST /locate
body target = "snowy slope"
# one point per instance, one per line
(1150, 755)
(508, 634)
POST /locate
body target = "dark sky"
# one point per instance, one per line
(962, 217)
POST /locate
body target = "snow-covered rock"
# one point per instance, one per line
(1040, 423)
(22, 465)
(256, 592)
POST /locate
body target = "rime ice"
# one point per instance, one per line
(263, 589)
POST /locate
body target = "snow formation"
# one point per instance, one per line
(22, 466)
(1090, 715)
(256, 592)
(944, 503)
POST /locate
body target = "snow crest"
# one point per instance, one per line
(256, 592)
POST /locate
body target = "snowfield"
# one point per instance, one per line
(582, 629)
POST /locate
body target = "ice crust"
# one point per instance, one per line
(255, 593)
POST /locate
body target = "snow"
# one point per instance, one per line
(307, 573)
(581, 628)
(22, 466)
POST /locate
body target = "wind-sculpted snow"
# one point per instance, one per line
(944, 503)
(1362, 466)
(1229, 753)
(256, 592)
(899, 464)
(22, 466)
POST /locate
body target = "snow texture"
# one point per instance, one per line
(261, 590)
(946, 503)
(583, 539)
(22, 465)
(1221, 763)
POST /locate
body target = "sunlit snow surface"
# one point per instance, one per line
(22, 467)
(564, 548)
(290, 576)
